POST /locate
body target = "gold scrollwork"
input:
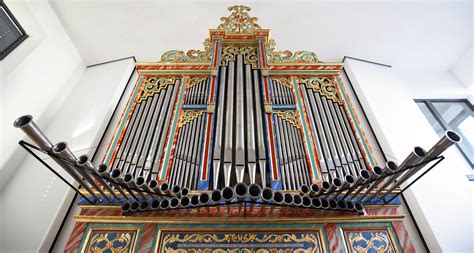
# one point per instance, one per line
(195, 80)
(290, 116)
(153, 85)
(239, 20)
(227, 243)
(284, 81)
(359, 243)
(287, 56)
(229, 53)
(324, 86)
(188, 116)
(101, 243)
(194, 56)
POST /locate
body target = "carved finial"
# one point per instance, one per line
(239, 20)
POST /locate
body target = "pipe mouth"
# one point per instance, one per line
(241, 190)
(306, 201)
(326, 185)
(453, 136)
(288, 198)
(304, 189)
(204, 198)
(115, 173)
(277, 197)
(143, 205)
(365, 174)
(155, 204)
(140, 181)
(297, 200)
(332, 203)
(377, 170)
(60, 147)
(314, 188)
(22, 121)
(185, 201)
(216, 196)
(254, 190)
(337, 182)
(324, 203)
(227, 193)
(350, 205)
(184, 192)
(316, 202)
(342, 204)
(418, 151)
(195, 200)
(358, 207)
(102, 168)
(164, 187)
(127, 178)
(391, 165)
(174, 202)
(82, 160)
(134, 206)
(267, 194)
(153, 184)
(125, 207)
(349, 179)
(165, 203)
(176, 189)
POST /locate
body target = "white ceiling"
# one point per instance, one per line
(412, 35)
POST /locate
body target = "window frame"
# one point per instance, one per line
(442, 122)
(17, 42)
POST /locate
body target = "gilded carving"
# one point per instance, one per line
(195, 80)
(239, 20)
(188, 116)
(290, 116)
(284, 81)
(287, 56)
(102, 243)
(377, 241)
(229, 53)
(153, 85)
(192, 56)
(324, 86)
(241, 242)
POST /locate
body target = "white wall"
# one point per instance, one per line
(463, 69)
(35, 77)
(34, 199)
(442, 200)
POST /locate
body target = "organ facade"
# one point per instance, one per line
(239, 147)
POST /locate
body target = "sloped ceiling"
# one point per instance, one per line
(408, 35)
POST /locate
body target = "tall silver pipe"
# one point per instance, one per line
(314, 131)
(355, 143)
(262, 155)
(176, 155)
(189, 153)
(162, 137)
(331, 165)
(449, 138)
(229, 116)
(416, 156)
(283, 166)
(239, 121)
(83, 162)
(217, 165)
(62, 151)
(250, 124)
(128, 135)
(28, 126)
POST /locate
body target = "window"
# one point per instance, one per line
(457, 115)
(11, 33)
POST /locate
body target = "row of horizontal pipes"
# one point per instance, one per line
(345, 193)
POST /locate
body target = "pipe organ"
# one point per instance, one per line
(210, 141)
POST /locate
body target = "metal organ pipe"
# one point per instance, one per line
(250, 129)
(239, 124)
(29, 127)
(219, 129)
(262, 155)
(102, 170)
(83, 161)
(230, 125)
